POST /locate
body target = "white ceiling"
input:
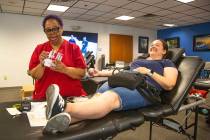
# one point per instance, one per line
(104, 11)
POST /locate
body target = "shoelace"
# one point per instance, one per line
(61, 103)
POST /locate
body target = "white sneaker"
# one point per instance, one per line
(55, 103)
(58, 123)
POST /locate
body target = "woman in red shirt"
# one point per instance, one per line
(67, 67)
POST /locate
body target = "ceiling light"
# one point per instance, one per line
(185, 1)
(124, 18)
(169, 25)
(57, 8)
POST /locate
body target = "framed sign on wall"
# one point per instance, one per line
(172, 42)
(201, 42)
(143, 44)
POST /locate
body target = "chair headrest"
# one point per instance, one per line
(174, 54)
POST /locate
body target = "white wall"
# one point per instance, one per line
(19, 35)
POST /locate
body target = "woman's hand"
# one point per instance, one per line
(38, 71)
(142, 70)
(58, 66)
(93, 72)
(43, 56)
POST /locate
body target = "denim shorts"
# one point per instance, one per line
(130, 99)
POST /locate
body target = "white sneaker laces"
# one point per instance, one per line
(61, 104)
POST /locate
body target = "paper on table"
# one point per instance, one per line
(37, 116)
(13, 111)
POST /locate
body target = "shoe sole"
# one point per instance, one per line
(58, 123)
(51, 96)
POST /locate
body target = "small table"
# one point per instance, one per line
(202, 84)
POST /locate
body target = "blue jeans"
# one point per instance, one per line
(130, 99)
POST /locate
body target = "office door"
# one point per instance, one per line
(121, 48)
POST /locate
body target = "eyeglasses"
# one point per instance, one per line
(53, 30)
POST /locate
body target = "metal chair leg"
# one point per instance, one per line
(196, 123)
(150, 131)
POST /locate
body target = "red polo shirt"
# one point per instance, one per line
(72, 57)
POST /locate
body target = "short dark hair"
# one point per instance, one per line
(55, 17)
(165, 46)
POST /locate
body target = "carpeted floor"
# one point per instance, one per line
(159, 133)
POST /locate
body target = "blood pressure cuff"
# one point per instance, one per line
(127, 79)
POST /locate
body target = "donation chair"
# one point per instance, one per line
(117, 122)
(178, 99)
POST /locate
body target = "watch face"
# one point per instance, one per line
(150, 73)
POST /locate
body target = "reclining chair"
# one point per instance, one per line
(116, 122)
(176, 100)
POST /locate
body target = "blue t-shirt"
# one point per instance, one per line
(155, 65)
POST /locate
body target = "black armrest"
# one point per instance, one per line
(99, 80)
(90, 84)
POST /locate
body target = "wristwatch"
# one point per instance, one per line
(150, 73)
